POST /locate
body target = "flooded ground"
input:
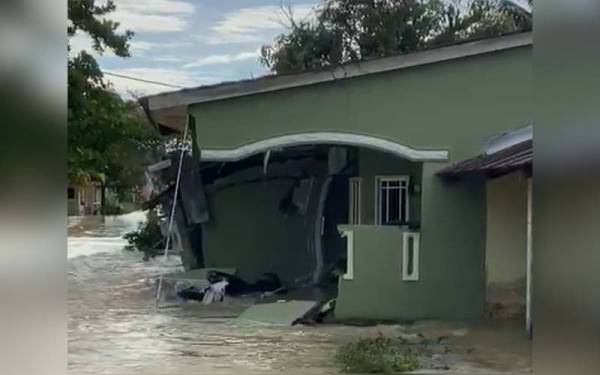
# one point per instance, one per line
(114, 327)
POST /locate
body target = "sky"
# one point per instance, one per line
(189, 43)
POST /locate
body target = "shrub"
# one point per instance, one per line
(375, 355)
(147, 238)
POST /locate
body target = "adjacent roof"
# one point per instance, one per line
(507, 139)
(515, 157)
(170, 109)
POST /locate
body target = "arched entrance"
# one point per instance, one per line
(321, 138)
(277, 204)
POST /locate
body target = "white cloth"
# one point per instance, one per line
(215, 292)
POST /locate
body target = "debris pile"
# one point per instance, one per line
(225, 284)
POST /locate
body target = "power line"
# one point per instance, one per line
(143, 80)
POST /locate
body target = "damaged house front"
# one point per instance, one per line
(343, 179)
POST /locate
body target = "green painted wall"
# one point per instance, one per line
(452, 245)
(451, 281)
(506, 243)
(377, 290)
(506, 228)
(248, 232)
(455, 105)
(372, 163)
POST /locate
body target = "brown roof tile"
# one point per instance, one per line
(518, 156)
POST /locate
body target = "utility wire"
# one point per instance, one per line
(143, 80)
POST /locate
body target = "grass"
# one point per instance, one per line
(375, 355)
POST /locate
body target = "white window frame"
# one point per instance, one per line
(354, 200)
(414, 276)
(400, 179)
(349, 235)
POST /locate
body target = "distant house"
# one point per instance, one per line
(369, 168)
(84, 200)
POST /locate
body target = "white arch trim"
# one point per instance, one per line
(324, 138)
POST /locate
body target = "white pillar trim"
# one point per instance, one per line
(337, 138)
(528, 307)
(349, 235)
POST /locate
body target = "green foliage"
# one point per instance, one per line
(87, 17)
(109, 139)
(375, 355)
(353, 30)
(147, 238)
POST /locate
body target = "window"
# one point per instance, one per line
(410, 256)
(391, 200)
(354, 204)
(71, 193)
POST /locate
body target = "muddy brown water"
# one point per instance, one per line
(115, 327)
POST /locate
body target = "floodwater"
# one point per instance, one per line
(115, 328)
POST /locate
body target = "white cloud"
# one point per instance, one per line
(177, 45)
(249, 25)
(156, 6)
(168, 59)
(222, 59)
(153, 15)
(173, 77)
(82, 41)
(138, 47)
(149, 23)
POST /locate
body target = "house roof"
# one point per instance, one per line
(507, 139)
(514, 157)
(170, 108)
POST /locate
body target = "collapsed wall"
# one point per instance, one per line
(261, 214)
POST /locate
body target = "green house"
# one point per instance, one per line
(341, 169)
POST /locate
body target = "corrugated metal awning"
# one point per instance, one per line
(518, 156)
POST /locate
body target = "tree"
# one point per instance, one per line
(86, 16)
(351, 30)
(109, 139)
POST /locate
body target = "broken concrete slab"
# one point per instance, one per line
(283, 313)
